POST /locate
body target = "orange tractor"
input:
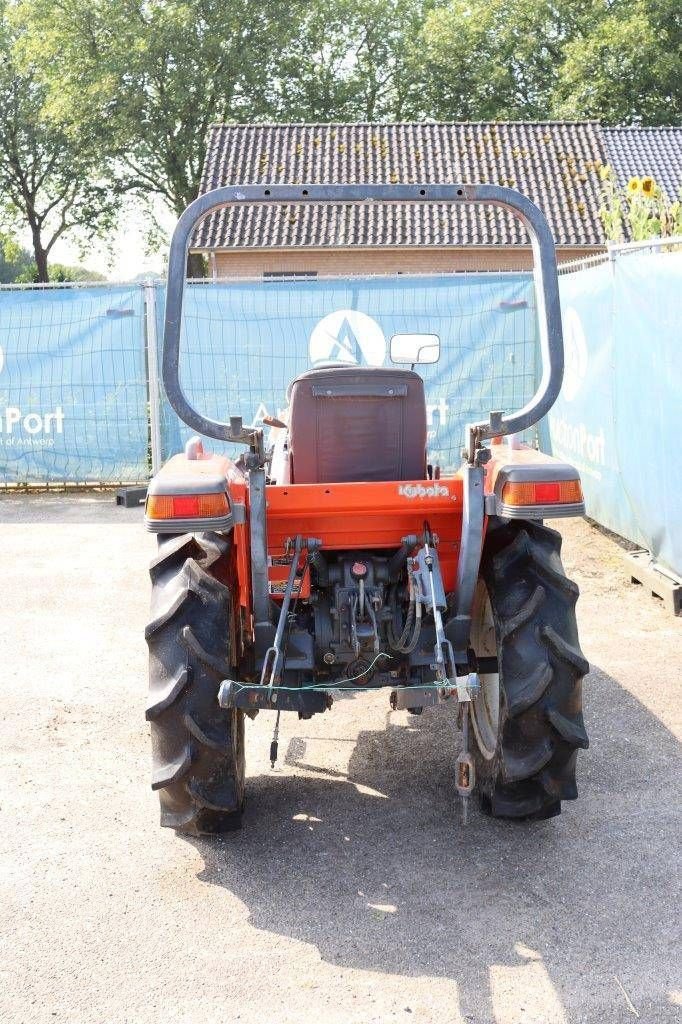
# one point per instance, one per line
(336, 557)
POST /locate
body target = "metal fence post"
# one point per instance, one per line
(153, 368)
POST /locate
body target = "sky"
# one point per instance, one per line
(126, 257)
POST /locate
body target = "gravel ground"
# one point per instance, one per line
(352, 895)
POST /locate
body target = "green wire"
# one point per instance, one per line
(326, 687)
(331, 688)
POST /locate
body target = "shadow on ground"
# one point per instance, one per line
(582, 903)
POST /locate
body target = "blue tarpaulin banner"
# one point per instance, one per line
(243, 342)
(73, 394)
(619, 414)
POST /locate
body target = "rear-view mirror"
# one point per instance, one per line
(415, 348)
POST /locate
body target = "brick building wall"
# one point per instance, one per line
(255, 263)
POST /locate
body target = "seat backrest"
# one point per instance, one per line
(355, 423)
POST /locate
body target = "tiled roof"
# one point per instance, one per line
(554, 163)
(635, 152)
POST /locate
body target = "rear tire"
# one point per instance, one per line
(197, 747)
(527, 736)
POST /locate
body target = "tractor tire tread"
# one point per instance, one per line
(165, 774)
(541, 669)
(565, 651)
(526, 612)
(217, 666)
(570, 729)
(517, 765)
(197, 747)
(209, 739)
(163, 696)
(531, 690)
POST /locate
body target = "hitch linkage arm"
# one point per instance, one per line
(430, 580)
(273, 663)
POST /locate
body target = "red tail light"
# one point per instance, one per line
(557, 492)
(187, 506)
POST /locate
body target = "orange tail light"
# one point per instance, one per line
(558, 492)
(186, 506)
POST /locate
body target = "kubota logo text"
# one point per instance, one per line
(422, 491)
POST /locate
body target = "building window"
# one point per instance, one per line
(284, 275)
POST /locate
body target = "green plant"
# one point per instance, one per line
(611, 211)
(641, 209)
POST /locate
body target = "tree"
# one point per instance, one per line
(628, 68)
(146, 78)
(58, 273)
(540, 59)
(47, 179)
(349, 61)
(488, 59)
(15, 261)
(17, 266)
(124, 93)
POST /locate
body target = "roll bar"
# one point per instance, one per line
(544, 270)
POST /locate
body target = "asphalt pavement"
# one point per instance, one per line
(352, 895)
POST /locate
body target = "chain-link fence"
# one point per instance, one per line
(244, 342)
(80, 395)
(73, 384)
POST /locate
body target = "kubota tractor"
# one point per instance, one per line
(338, 557)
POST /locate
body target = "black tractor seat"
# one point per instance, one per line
(357, 424)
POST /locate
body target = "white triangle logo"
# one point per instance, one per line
(348, 336)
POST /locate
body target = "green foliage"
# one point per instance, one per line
(14, 260)
(628, 68)
(144, 79)
(17, 266)
(48, 180)
(488, 59)
(641, 209)
(611, 210)
(103, 99)
(349, 60)
(535, 59)
(59, 272)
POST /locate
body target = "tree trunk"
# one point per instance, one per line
(40, 255)
(42, 276)
(196, 265)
